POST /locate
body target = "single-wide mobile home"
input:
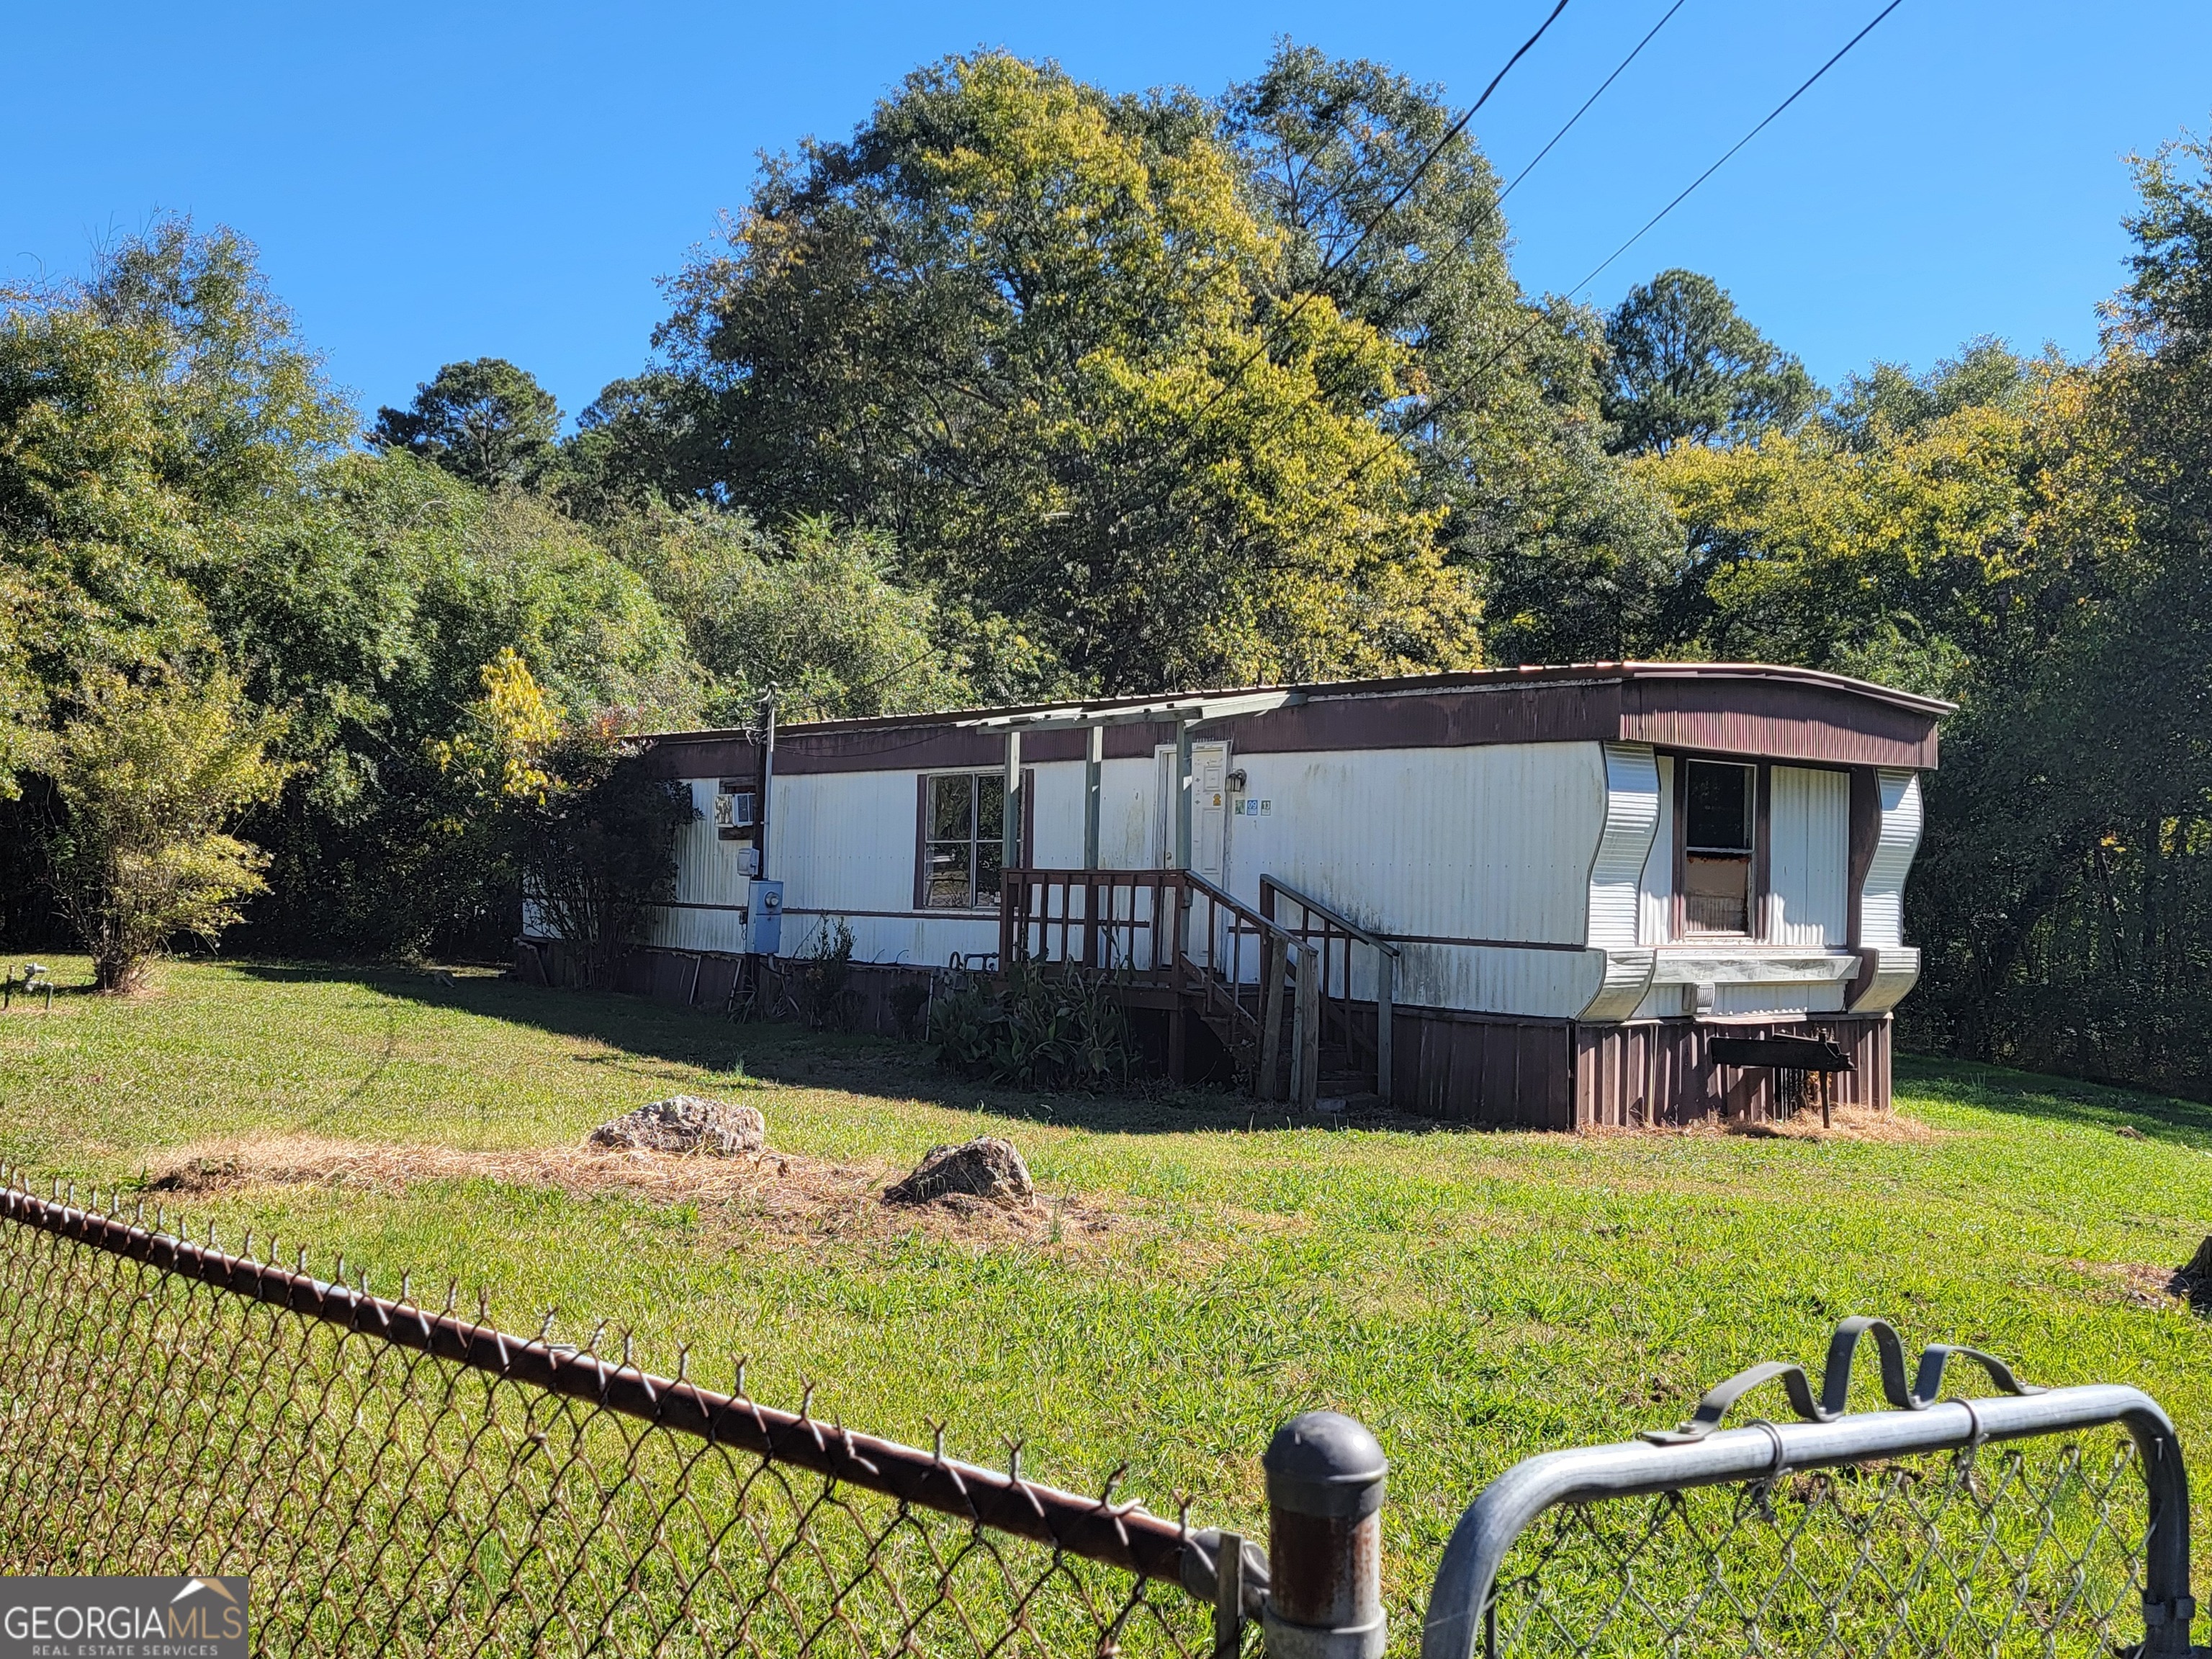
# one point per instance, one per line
(1534, 897)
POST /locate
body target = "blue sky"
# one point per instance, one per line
(427, 183)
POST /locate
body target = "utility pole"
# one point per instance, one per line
(767, 779)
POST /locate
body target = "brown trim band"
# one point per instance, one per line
(993, 915)
(895, 915)
(1486, 943)
(1743, 718)
(1482, 680)
(690, 904)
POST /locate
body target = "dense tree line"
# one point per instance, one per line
(1026, 389)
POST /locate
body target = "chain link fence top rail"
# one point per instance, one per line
(400, 1479)
(2047, 1522)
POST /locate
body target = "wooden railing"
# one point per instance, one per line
(1333, 935)
(1176, 931)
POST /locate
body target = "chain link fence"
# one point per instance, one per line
(402, 1478)
(1990, 1550)
(2041, 1521)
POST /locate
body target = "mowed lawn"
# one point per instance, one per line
(1473, 1298)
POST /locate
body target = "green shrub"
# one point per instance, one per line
(907, 1003)
(823, 976)
(1058, 1030)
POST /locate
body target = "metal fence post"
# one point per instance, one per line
(1324, 1539)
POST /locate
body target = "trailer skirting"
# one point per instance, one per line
(1484, 1070)
(1560, 1074)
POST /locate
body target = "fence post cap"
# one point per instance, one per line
(1324, 1463)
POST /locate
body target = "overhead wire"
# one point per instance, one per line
(1190, 423)
(1336, 261)
(1459, 391)
(1462, 389)
(1568, 126)
(1498, 202)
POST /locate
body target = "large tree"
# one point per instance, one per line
(488, 421)
(150, 419)
(1686, 367)
(1893, 559)
(1041, 336)
(1397, 222)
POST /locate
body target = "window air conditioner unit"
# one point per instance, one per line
(733, 810)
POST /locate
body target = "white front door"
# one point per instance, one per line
(1209, 810)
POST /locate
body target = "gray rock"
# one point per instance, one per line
(686, 1123)
(985, 1168)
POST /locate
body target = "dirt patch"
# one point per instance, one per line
(779, 1195)
(1847, 1123)
(2140, 1284)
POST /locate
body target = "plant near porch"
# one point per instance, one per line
(1062, 1030)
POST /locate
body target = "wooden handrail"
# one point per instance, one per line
(1327, 913)
(1212, 973)
(1334, 925)
(1260, 922)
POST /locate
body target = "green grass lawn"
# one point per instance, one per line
(1473, 1298)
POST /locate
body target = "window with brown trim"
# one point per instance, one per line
(1720, 837)
(963, 840)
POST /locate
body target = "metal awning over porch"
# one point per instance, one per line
(1094, 718)
(1194, 709)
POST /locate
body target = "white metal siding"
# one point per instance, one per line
(676, 928)
(1632, 819)
(1125, 816)
(1818, 996)
(1655, 906)
(842, 844)
(707, 867)
(1535, 984)
(708, 879)
(1808, 863)
(1489, 842)
(1056, 812)
(1881, 900)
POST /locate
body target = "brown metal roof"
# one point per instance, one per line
(1484, 680)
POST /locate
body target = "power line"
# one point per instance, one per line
(1637, 52)
(1469, 384)
(1805, 87)
(1497, 203)
(1190, 423)
(1336, 261)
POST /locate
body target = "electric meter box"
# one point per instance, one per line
(764, 924)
